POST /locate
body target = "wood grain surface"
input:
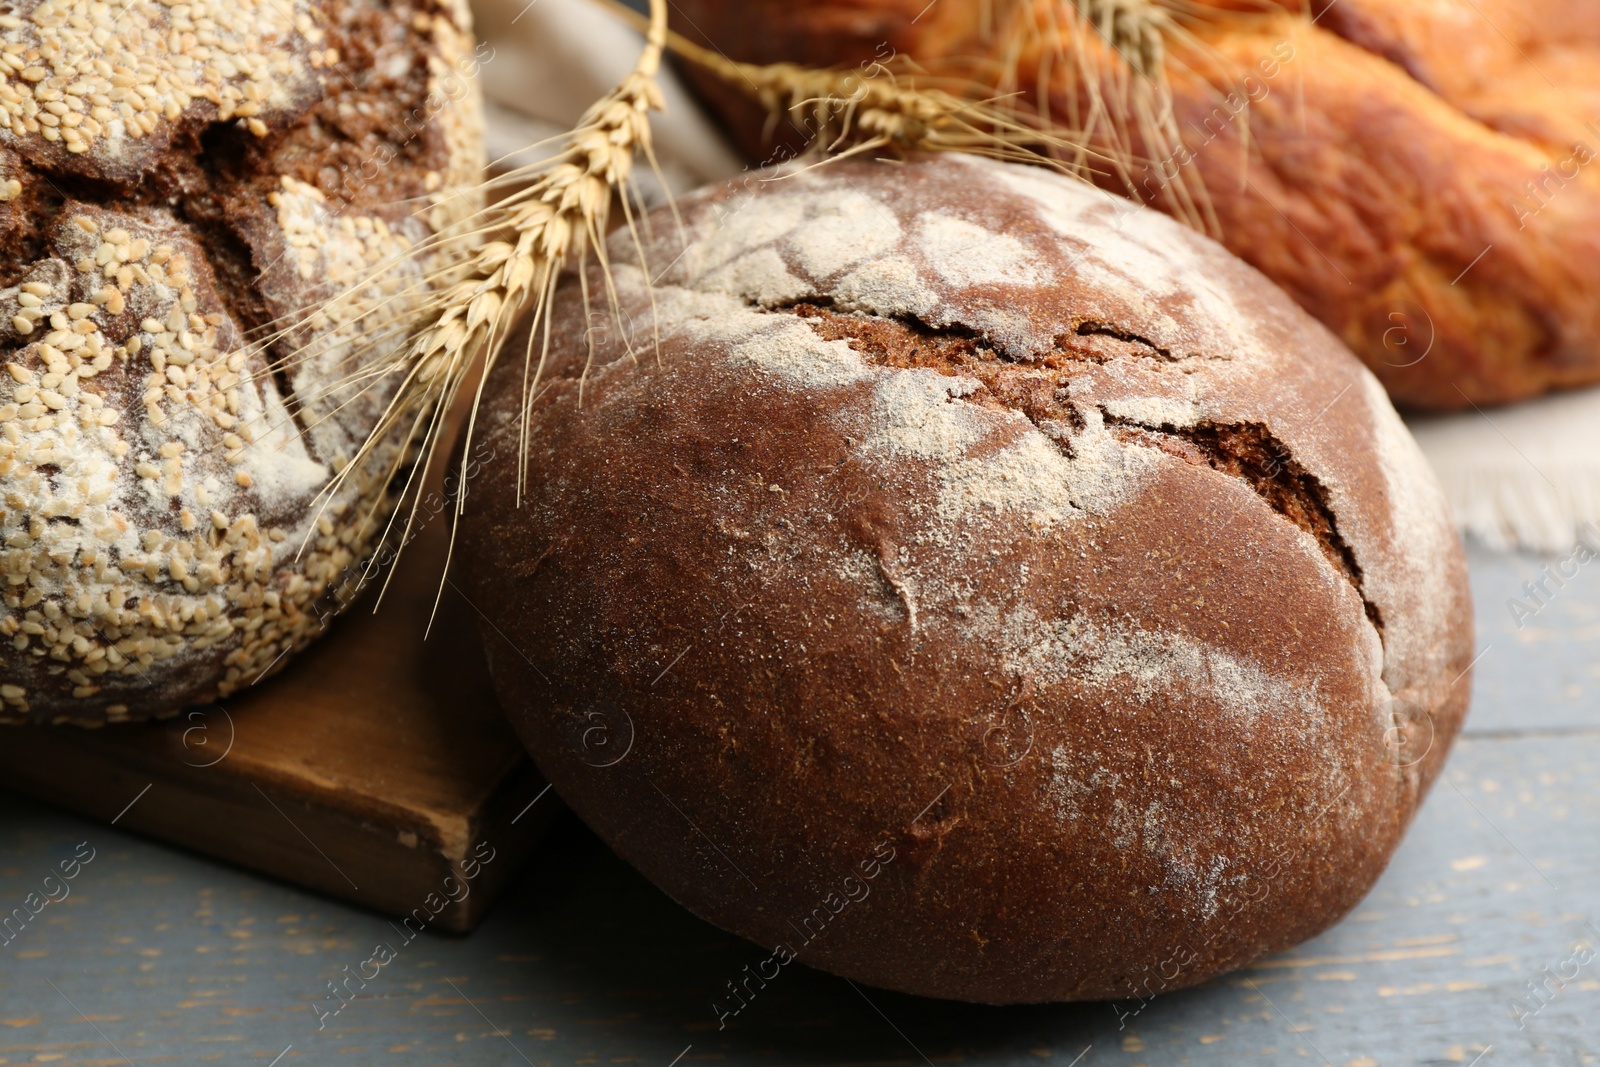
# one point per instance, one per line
(159, 956)
(371, 769)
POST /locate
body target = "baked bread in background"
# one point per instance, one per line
(174, 179)
(1416, 174)
(988, 589)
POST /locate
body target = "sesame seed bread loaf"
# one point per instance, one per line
(174, 180)
(1416, 174)
(991, 590)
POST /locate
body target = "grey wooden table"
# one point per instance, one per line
(155, 956)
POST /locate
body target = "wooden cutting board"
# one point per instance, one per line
(372, 769)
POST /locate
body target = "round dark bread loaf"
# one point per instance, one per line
(988, 590)
(174, 179)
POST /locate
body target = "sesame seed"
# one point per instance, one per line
(86, 606)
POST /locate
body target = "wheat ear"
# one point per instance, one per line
(464, 312)
(457, 320)
(876, 106)
(1127, 102)
(1112, 56)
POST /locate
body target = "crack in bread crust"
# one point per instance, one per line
(1249, 452)
(1098, 329)
(1041, 391)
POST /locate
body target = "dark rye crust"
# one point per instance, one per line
(966, 517)
(168, 194)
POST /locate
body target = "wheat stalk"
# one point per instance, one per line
(453, 323)
(456, 319)
(872, 102)
(1113, 57)
(1120, 55)
(456, 330)
(875, 109)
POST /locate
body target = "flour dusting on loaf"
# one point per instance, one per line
(1150, 279)
(965, 507)
(176, 180)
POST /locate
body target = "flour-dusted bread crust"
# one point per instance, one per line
(975, 529)
(1418, 175)
(175, 179)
